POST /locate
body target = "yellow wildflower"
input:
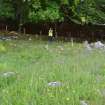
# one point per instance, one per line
(67, 98)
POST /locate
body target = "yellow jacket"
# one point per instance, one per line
(50, 32)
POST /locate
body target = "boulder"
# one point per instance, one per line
(95, 45)
(82, 102)
(8, 74)
(99, 44)
(87, 45)
(54, 84)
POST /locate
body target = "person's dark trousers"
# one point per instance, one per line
(50, 39)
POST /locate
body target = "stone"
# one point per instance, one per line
(82, 102)
(98, 44)
(91, 45)
(2, 38)
(7, 38)
(30, 39)
(8, 74)
(14, 37)
(54, 84)
(87, 45)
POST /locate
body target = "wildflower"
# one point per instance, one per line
(67, 98)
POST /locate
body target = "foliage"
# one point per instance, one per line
(79, 11)
(50, 13)
(6, 9)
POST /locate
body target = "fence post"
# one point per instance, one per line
(24, 31)
(72, 42)
(6, 28)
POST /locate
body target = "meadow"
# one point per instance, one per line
(37, 63)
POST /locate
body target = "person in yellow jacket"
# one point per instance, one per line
(50, 34)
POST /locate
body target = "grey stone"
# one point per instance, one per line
(15, 37)
(3, 37)
(82, 102)
(98, 44)
(54, 84)
(8, 74)
(91, 45)
(87, 45)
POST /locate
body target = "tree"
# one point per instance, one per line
(78, 11)
(6, 9)
(44, 11)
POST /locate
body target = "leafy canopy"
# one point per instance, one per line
(78, 11)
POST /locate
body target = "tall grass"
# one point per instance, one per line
(36, 63)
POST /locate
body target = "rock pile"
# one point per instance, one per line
(82, 102)
(95, 45)
(8, 37)
(87, 45)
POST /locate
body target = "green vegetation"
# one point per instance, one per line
(6, 9)
(78, 11)
(36, 64)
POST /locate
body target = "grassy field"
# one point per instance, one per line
(36, 63)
